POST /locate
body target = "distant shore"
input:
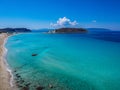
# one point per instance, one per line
(5, 75)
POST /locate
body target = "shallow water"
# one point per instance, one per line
(64, 61)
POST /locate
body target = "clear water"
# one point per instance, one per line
(64, 62)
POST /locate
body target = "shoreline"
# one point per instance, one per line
(7, 66)
(6, 77)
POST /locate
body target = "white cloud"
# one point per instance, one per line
(94, 21)
(64, 22)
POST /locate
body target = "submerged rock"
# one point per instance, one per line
(34, 54)
(25, 88)
(22, 81)
(50, 86)
(39, 88)
(17, 75)
(28, 84)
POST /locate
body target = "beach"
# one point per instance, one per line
(4, 73)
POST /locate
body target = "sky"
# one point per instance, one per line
(36, 14)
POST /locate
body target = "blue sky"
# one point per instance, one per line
(37, 14)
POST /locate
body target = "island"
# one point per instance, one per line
(14, 30)
(69, 30)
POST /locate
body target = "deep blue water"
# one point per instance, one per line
(65, 61)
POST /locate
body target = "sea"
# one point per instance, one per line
(42, 61)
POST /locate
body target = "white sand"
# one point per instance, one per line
(5, 75)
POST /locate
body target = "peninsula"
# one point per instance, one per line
(14, 30)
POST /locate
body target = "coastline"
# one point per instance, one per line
(6, 77)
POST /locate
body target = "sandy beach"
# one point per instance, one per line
(4, 74)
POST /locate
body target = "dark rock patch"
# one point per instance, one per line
(17, 75)
(50, 86)
(34, 54)
(15, 71)
(25, 88)
(39, 88)
(27, 84)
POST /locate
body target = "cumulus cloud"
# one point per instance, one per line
(64, 22)
(94, 21)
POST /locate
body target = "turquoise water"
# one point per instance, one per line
(64, 62)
